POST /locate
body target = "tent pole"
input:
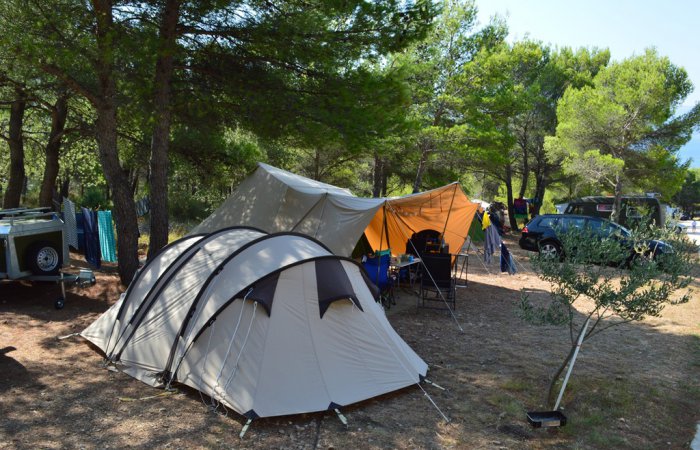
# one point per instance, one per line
(382, 230)
(386, 229)
(381, 243)
(306, 214)
(449, 211)
(320, 218)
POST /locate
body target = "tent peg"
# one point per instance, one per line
(341, 417)
(434, 384)
(245, 428)
(60, 338)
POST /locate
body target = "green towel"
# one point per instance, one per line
(106, 230)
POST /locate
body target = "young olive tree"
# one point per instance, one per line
(608, 276)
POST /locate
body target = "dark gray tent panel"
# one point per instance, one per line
(266, 324)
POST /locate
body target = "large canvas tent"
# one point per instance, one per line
(267, 324)
(275, 200)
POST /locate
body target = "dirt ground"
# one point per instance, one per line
(635, 386)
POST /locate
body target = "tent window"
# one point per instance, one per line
(262, 292)
(333, 284)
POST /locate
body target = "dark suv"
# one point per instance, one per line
(540, 234)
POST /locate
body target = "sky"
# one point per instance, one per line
(626, 27)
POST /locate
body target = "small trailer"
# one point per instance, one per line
(33, 246)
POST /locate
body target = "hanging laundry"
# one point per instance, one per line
(485, 221)
(142, 207)
(71, 224)
(108, 247)
(491, 243)
(92, 238)
(507, 261)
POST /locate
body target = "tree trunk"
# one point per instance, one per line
(59, 114)
(509, 192)
(377, 176)
(106, 124)
(65, 186)
(526, 172)
(540, 186)
(422, 165)
(317, 165)
(617, 205)
(553, 383)
(13, 194)
(385, 178)
(161, 131)
(124, 209)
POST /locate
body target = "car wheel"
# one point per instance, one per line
(550, 250)
(43, 258)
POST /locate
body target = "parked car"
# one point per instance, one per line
(540, 234)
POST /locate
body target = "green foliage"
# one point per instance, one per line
(188, 209)
(624, 284)
(624, 126)
(554, 313)
(437, 71)
(688, 198)
(94, 198)
(206, 166)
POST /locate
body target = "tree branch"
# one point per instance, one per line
(70, 82)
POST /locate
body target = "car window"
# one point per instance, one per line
(600, 227)
(547, 222)
(618, 230)
(569, 223)
(595, 226)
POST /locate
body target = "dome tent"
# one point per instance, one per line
(267, 324)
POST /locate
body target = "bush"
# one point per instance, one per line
(94, 198)
(184, 208)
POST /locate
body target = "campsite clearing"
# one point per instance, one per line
(635, 386)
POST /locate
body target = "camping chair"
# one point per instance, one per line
(438, 281)
(378, 271)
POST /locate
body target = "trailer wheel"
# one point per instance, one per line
(43, 258)
(59, 303)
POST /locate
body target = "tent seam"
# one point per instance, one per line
(311, 335)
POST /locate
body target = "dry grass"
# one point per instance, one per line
(636, 386)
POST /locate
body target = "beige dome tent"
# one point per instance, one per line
(275, 200)
(266, 324)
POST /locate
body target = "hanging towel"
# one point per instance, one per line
(71, 225)
(491, 243)
(507, 261)
(92, 238)
(106, 231)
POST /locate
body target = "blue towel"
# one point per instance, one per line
(507, 261)
(107, 244)
(91, 236)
